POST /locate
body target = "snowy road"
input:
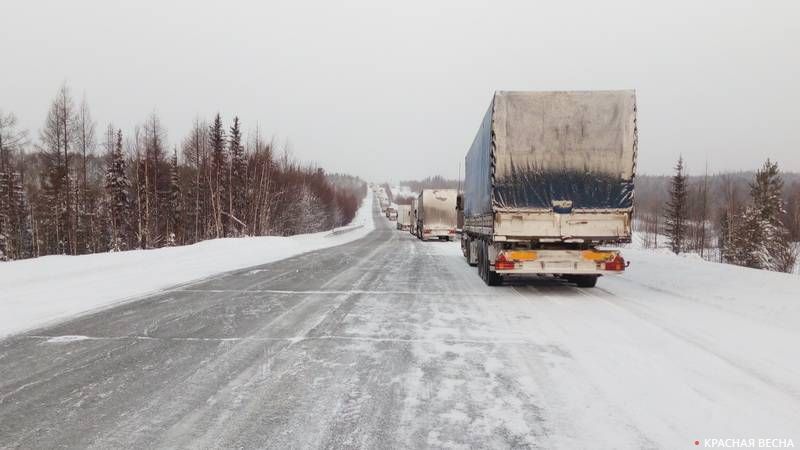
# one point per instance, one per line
(388, 342)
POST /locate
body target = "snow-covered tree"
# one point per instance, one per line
(675, 215)
(117, 187)
(174, 203)
(216, 142)
(236, 180)
(765, 191)
(14, 224)
(13, 204)
(758, 238)
(775, 250)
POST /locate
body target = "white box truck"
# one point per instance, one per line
(403, 217)
(436, 214)
(549, 179)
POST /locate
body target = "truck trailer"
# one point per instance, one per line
(436, 214)
(403, 217)
(549, 179)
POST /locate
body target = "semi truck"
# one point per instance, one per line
(548, 182)
(436, 214)
(391, 213)
(403, 217)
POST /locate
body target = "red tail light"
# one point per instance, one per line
(617, 264)
(502, 264)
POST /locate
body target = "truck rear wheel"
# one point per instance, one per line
(480, 262)
(484, 268)
(472, 260)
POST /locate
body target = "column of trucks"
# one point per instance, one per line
(548, 181)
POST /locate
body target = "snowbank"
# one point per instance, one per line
(771, 296)
(36, 291)
(750, 291)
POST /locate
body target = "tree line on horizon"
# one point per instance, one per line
(747, 219)
(76, 191)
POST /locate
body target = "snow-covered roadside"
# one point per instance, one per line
(36, 291)
(772, 296)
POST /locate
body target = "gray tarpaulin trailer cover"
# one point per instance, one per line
(537, 151)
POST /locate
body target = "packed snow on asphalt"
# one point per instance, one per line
(389, 342)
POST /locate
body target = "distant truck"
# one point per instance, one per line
(436, 214)
(403, 217)
(391, 213)
(549, 178)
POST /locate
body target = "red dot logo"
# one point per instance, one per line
(696, 442)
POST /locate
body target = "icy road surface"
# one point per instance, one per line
(388, 342)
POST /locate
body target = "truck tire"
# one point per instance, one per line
(468, 252)
(583, 281)
(489, 277)
(481, 273)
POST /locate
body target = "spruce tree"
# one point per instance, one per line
(773, 247)
(765, 191)
(175, 206)
(675, 216)
(236, 183)
(746, 238)
(117, 187)
(216, 140)
(759, 239)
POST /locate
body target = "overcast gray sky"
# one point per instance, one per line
(393, 90)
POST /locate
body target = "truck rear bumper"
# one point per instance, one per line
(569, 262)
(436, 234)
(557, 269)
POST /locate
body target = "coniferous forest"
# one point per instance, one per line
(78, 188)
(750, 219)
